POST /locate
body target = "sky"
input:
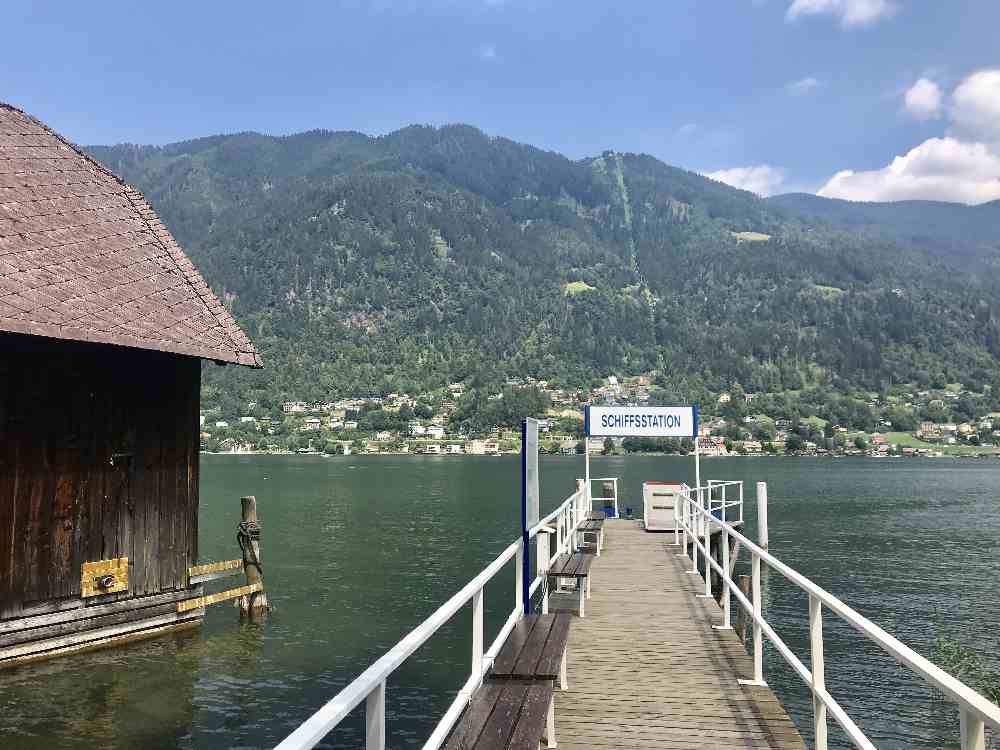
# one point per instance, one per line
(856, 99)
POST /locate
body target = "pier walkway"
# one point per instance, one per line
(646, 668)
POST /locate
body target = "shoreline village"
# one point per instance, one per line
(465, 419)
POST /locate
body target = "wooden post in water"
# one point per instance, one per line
(741, 626)
(248, 534)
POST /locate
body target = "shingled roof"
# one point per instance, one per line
(84, 257)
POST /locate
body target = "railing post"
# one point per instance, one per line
(694, 532)
(726, 604)
(758, 633)
(519, 579)
(707, 541)
(973, 731)
(818, 676)
(677, 520)
(741, 501)
(543, 568)
(762, 514)
(680, 508)
(375, 718)
(477, 636)
(559, 531)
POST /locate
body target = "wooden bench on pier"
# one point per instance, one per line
(506, 715)
(535, 649)
(593, 526)
(576, 566)
(515, 706)
(596, 515)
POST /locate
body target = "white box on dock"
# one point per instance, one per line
(658, 500)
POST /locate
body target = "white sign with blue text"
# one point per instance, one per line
(642, 421)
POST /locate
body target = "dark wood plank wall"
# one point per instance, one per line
(65, 410)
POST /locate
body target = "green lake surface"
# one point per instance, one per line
(358, 550)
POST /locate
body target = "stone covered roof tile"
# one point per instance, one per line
(84, 257)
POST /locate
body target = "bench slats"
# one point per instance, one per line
(500, 726)
(467, 733)
(551, 658)
(534, 649)
(534, 711)
(504, 715)
(570, 566)
(506, 661)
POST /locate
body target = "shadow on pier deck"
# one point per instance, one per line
(646, 668)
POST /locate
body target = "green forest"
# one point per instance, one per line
(367, 265)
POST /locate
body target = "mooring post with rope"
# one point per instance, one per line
(248, 536)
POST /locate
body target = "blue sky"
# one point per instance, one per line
(773, 95)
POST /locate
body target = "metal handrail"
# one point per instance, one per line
(591, 498)
(370, 685)
(975, 711)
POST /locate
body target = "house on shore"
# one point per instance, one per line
(104, 323)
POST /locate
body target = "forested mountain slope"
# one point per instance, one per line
(403, 262)
(964, 234)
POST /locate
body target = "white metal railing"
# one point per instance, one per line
(604, 500)
(370, 685)
(697, 521)
(719, 496)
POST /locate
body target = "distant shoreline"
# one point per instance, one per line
(571, 455)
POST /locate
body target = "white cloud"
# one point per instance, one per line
(687, 129)
(762, 179)
(962, 166)
(850, 12)
(943, 169)
(488, 52)
(975, 108)
(802, 87)
(923, 99)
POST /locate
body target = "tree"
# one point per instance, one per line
(860, 443)
(794, 443)
(609, 447)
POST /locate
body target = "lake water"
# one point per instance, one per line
(358, 550)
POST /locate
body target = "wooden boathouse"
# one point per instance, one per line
(103, 325)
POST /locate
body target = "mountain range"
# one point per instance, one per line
(364, 265)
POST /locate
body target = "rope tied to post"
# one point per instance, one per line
(246, 533)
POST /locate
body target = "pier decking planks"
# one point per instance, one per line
(646, 669)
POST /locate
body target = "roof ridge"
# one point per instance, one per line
(191, 274)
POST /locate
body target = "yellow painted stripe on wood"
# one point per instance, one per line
(91, 571)
(200, 570)
(204, 601)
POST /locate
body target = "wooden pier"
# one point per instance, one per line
(646, 667)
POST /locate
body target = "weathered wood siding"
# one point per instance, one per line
(98, 460)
